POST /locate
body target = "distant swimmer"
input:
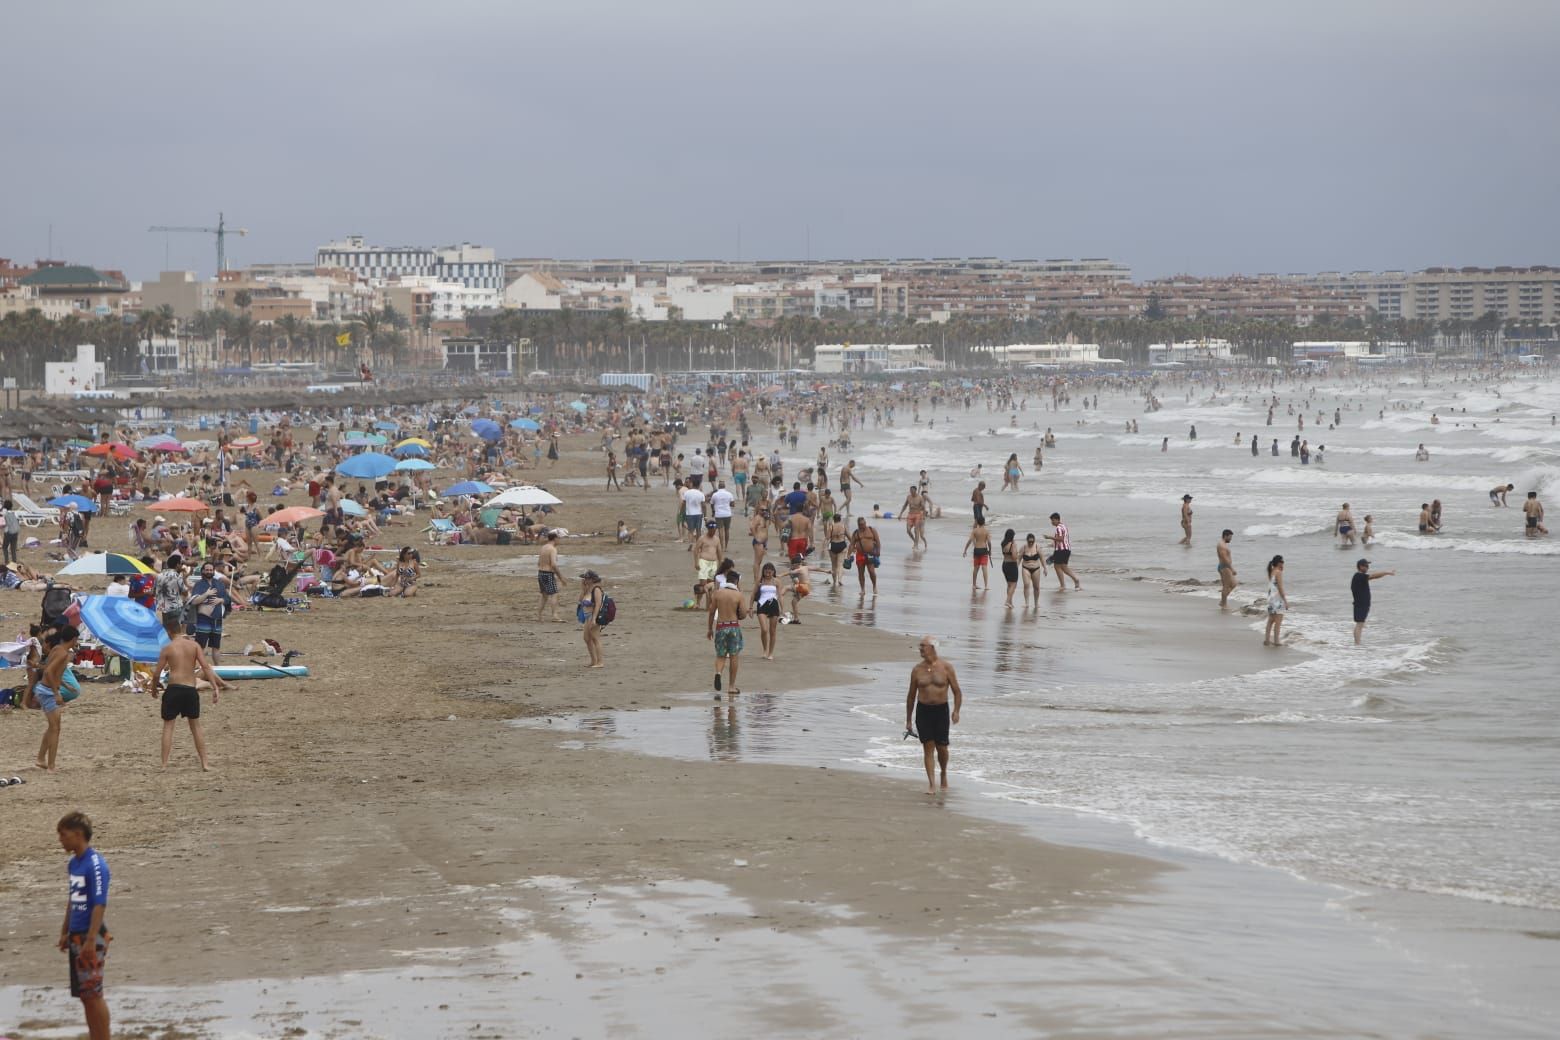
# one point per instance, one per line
(1498, 493)
(1277, 603)
(1533, 511)
(1227, 580)
(1425, 524)
(1360, 586)
(1186, 520)
(926, 710)
(1344, 525)
(1422, 454)
(1368, 535)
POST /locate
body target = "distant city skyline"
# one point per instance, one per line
(1205, 138)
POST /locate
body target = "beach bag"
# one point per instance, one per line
(608, 612)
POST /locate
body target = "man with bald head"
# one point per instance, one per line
(926, 709)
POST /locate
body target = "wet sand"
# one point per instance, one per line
(359, 819)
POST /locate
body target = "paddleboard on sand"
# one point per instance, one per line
(262, 671)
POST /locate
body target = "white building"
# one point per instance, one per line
(860, 358)
(1349, 350)
(476, 355)
(78, 376)
(447, 300)
(1207, 351)
(535, 291)
(1043, 354)
(477, 267)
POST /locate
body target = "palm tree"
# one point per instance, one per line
(241, 331)
(289, 328)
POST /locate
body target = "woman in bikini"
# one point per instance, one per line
(408, 568)
(758, 533)
(1032, 562)
(1010, 564)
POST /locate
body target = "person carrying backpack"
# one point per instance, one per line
(596, 611)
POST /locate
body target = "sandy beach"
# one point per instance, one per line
(379, 808)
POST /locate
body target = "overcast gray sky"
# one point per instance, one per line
(1205, 137)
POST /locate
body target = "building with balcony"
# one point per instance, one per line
(866, 358)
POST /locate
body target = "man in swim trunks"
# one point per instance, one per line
(980, 541)
(1061, 553)
(978, 502)
(183, 659)
(1426, 523)
(707, 552)
(725, 614)
(548, 579)
(913, 511)
(1533, 514)
(867, 546)
(1226, 568)
(1498, 493)
(847, 477)
(926, 709)
(739, 477)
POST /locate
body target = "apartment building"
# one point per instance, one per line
(476, 267)
(1528, 294)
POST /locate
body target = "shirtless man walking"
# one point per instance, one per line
(1226, 568)
(914, 511)
(725, 614)
(926, 709)
(183, 659)
(867, 546)
(847, 475)
(548, 578)
(1186, 519)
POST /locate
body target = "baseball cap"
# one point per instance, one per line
(1362, 563)
(1186, 498)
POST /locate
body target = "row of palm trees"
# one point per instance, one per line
(594, 342)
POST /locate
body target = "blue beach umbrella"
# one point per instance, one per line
(410, 451)
(525, 424)
(86, 505)
(487, 429)
(579, 406)
(124, 626)
(351, 508)
(8, 452)
(413, 464)
(367, 466)
(386, 424)
(469, 487)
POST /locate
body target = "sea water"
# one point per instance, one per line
(1413, 777)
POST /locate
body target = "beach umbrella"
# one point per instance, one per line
(524, 496)
(579, 406)
(410, 451)
(124, 626)
(414, 442)
(244, 443)
(78, 443)
(104, 563)
(86, 505)
(525, 424)
(386, 424)
(487, 429)
(293, 515)
(168, 446)
(7, 452)
(368, 466)
(117, 450)
(359, 439)
(351, 508)
(152, 441)
(406, 465)
(177, 504)
(469, 487)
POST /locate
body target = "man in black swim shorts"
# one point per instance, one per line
(926, 707)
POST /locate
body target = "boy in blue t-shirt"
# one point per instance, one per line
(83, 935)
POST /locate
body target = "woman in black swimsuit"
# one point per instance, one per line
(1010, 564)
(1033, 560)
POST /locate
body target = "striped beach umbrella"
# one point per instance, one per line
(124, 626)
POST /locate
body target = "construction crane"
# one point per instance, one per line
(221, 231)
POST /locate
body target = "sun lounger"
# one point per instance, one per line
(441, 530)
(31, 514)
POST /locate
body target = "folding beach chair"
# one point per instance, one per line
(31, 514)
(441, 530)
